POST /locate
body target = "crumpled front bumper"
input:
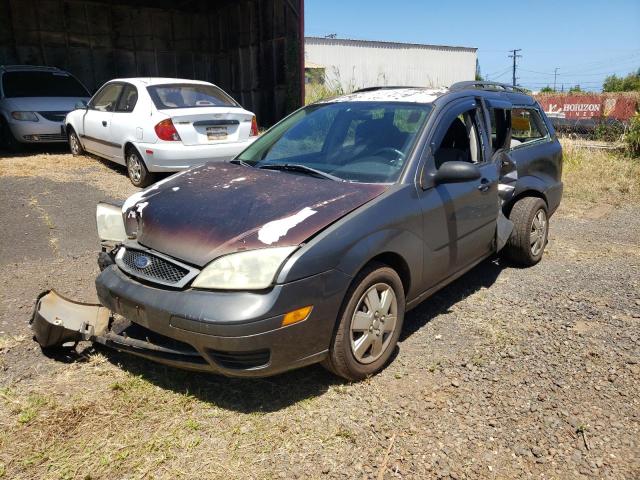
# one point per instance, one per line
(58, 322)
(230, 333)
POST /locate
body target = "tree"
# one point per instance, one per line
(630, 83)
(575, 89)
(546, 89)
(478, 72)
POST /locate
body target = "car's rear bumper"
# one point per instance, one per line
(232, 333)
(173, 157)
(43, 131)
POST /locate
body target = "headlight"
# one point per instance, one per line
(110, 223)
(25, 116)
(251, 270)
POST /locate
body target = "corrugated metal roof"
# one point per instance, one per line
(379, 43)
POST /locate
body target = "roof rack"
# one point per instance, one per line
(386, 87)
(482, 85)
(29, 67)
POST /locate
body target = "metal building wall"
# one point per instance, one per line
(250, 48)
(358, 63)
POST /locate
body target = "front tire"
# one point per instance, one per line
(530, 231)
(369, 324)
(137, 170)
(74, 143)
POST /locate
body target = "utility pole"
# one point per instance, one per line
(515, 56)
(555, 76)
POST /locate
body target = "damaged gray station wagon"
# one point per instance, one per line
(311, 245)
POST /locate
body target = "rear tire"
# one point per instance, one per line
(137, 170)
(528, 239)
(369, 324)
(74, 143)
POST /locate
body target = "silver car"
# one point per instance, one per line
(34, 102)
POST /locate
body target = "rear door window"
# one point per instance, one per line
(128, 99)
(526, 126)
(41, 84)
(106, 99)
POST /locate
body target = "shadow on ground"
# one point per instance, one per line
(274, 393)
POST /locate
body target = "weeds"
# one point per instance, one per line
(600, 176)
(632, 137)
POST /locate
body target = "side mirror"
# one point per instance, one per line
(81, 105)
(456, 171)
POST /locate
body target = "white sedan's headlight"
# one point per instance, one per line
(250, 270)
(110, 223)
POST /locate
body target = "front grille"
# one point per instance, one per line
(241, 360)
(156, 268)
(54, 116)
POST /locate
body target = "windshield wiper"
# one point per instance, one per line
(237, 161)
(296, 167)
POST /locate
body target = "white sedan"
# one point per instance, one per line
(160, 125)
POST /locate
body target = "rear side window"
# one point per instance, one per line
(106, 99)
(526, 126)
(128, 99)
(189, 95)
(41, 84)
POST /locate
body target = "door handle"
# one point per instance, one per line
(104, 123)
(485, 185)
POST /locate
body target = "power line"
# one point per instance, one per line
(515, 56)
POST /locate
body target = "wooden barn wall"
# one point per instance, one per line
(250, 48)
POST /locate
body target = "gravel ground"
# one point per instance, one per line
(506, 373)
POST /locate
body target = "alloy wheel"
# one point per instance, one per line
(538, 234)
(373, 323)
(135, 167)
(73, 142)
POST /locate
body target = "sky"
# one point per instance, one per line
(586, 40)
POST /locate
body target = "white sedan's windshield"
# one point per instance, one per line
(353, 141)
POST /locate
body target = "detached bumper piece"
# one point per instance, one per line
(58, 321)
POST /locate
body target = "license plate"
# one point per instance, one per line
(216, 133)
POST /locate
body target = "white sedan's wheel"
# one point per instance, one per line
(74, 144)
(137, 170)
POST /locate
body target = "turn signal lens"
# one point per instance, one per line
(254, 127)
(167, 131)
(297, 315)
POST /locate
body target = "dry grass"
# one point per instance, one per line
(94, 420)
(64, 167)
(599, 176)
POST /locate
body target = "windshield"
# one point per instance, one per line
(353, 141)
(189, 95)
(42, 84)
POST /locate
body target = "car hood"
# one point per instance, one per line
(42, 104)
(216, 209)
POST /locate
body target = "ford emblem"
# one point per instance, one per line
(142, 261)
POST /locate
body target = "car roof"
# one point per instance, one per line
(513, 95)
(390, 94)
(148, 81)
(29, 68)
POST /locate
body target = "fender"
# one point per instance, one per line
(392, 241)
(529, 183)
(369, 231)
